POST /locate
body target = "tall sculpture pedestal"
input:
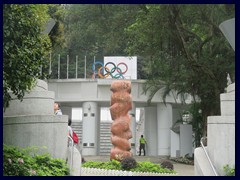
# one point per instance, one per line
(221, 138)
(32, 123)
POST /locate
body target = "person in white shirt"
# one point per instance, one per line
(57, 110)
(69, 143)
(70, 131)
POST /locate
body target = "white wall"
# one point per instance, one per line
(151, 130)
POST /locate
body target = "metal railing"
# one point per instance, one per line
(61, 67)
(58, 69)
(205, 151)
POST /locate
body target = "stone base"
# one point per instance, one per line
(48, 131)
(227, 104)
(221, 141)
(202, 166)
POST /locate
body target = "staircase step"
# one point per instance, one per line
(104, 134)
(104, 139)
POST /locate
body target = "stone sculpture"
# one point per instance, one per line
(229, 81)
(121, 103)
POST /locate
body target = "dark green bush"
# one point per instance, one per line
(21, 162)
(167, 164)
(113, 164)
(128, 163)
(183, 160)
(151, 167)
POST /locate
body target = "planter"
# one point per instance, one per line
(104, 172)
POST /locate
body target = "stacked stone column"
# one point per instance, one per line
(121, 103)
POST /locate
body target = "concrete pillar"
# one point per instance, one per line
(221, 141)
(175, 133)
(150, 131)
(133, 129)
(67, 110)
(32, 122)
(39, 101)
(90, 129)
(175, 144)
(37, 130)
(164, 123)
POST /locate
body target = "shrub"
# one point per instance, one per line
(167, 164)
(183, 160)
(113, 164)
(19, 162)
(128, 163)
(140, 166)
(151, 167)
(229, 171)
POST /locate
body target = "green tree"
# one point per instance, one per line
(98, 29)
(93, 30)
(57, 36)
(24, 48)
(184, 50)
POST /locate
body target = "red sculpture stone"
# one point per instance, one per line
(121, 103)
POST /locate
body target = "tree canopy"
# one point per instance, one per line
(183, 47)
(24, 48)
(179, 46)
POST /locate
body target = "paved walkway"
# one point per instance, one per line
(181, 169)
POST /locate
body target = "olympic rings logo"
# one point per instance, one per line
(111, 69)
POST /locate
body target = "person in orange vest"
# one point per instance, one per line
(142, 142)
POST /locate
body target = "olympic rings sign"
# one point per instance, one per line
(111, 69)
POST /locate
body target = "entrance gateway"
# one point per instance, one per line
(92, 94)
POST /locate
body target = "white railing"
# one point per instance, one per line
(104, 172)
(209, 160)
